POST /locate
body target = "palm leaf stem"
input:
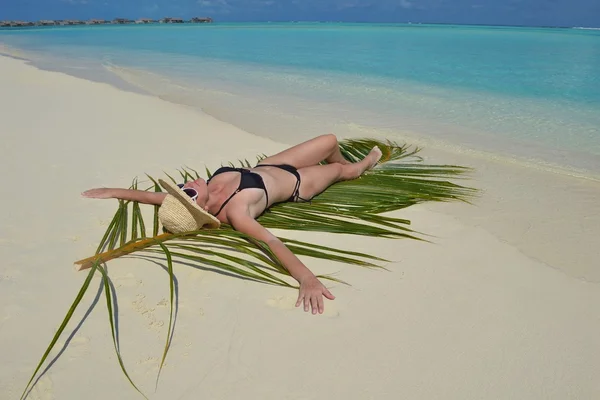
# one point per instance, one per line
(121, 251)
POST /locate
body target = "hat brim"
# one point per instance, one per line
(202, 217)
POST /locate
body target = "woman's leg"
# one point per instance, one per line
(309, 153)
(315, 179)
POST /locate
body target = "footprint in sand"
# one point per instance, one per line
(289, 303)
(139, 305)
(43, 390)
(163, 302)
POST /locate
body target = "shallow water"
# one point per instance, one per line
(527, 94)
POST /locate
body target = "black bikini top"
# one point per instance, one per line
(248, 180)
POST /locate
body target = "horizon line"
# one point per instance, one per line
(212, 21)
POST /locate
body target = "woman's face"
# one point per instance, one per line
(202, 188)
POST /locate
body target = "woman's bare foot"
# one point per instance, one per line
(373, 157)
(366, 163)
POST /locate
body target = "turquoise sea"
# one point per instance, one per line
(531, 94)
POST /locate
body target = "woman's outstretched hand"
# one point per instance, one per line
(311, 293)
(99, 193)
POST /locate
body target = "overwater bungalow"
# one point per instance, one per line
(201, 20)
(121, 21)
(97, 22)
(169, 20)
(70, 22)
(17, 23)
(46, 22)
(145, 21)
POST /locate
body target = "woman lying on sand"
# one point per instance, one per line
(237, 196)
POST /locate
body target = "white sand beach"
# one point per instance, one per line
(502, 305)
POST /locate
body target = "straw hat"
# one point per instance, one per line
(179, 214)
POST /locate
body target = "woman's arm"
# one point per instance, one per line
(155, 198)
(311, 289)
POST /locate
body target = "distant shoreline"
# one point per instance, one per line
(114, 21)
(198, 20)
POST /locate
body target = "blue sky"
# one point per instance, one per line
(509, 12)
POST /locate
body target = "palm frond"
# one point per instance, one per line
(352, 207)
(62, 327)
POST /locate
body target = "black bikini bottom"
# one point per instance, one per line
(292, 170)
